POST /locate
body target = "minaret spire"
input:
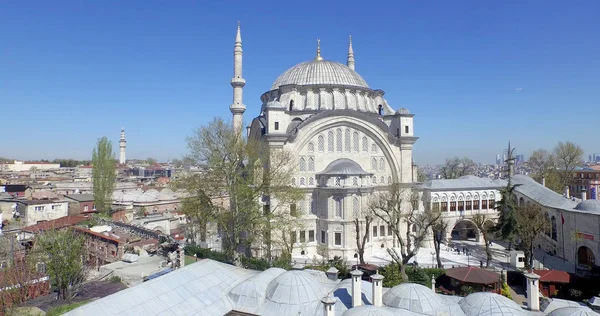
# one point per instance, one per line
(122, 147)
(237, 108)
(350, 60)
(318, 50)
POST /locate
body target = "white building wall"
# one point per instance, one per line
(42, 212)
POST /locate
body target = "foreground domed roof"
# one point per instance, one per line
(413, 297)
(320, 72)
(486, 304)
(295, 287)
(573, 311)
(367, 310)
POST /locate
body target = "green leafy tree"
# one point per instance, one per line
(62, 253)
(103, 175)
(254, 177)
(506, 228)
(457, 167)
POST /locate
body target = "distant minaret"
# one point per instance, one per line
(237, 108)
(122, 145)
(350, 60)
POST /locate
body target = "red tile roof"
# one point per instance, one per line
(58, 223)
(473, 275)
(553, 276)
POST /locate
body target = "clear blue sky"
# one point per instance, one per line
(74, 71)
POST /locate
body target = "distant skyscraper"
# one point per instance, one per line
(498, 162)
(122, 145)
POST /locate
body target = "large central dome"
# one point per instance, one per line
(320, 72)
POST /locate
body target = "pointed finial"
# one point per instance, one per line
(238, 35)
(318, 50)
(350, 60)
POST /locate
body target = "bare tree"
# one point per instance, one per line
(540, 163)
(457, 167)
(197, 206)
(568, 156)
(439, 229)
(531, 222)
(485, 227)
(397, 207)
(361, 238)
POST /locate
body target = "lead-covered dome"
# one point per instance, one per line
(592, 206)
(487, 304)
(320, 72)
(295, 287)
(413, 297)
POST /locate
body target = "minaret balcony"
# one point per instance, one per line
(238, 82)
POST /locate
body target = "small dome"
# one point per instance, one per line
(482, 304)
(402, 111)
(589, 206)
(367, 310)
(295, 288)
(413, 297)
(344, 166)
(573, 311)
(320, 72)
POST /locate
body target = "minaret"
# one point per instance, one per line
(237, 108)
(350, 60)
(122, 145)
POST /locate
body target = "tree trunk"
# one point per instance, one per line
(531, 255)
(403, 274)
(436, 245)
(488, 251)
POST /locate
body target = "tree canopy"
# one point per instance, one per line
(103, 175)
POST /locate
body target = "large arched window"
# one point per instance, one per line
(374, 164)
(553, 232)
(365, 144)
(302, 164)
(347, 142)
(585, 257)
(338, 140)
(355, 141)
(382, 164)
(302, 181)
(330, 141)
(337, 201)
(374, 148)
(311, 164)
(321, 143)
(311, 181)
(311, 147)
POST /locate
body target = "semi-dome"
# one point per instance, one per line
(344, 166)
(487, 304)
(320, 72)
(573, 311)
(589, 206)
(414, 297)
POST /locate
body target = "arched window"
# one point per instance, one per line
(374, 148)
(380, 109)
(330, 141)
(553, 232)
(291, 104)
(382, 180)
(374, 180)
(311, 181)
(374, 164)
(585, 257)
(355, 207)
(311, 147)
(302, 164)
(302, 182)
(355, 181)
(338, 182)
(355, 141)
(338, 206)
(365, 144)
(382, 164)
(338, 140)
(311, 164)
(347, 140)
(321, 143)
(301, 207)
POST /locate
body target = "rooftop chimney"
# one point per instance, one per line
(567, 195)
(328, 305)
(356, 291)
(544, 181)
(377, 289)
(432, 283)
(583, 195)
(332, 274)
(533, 291)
